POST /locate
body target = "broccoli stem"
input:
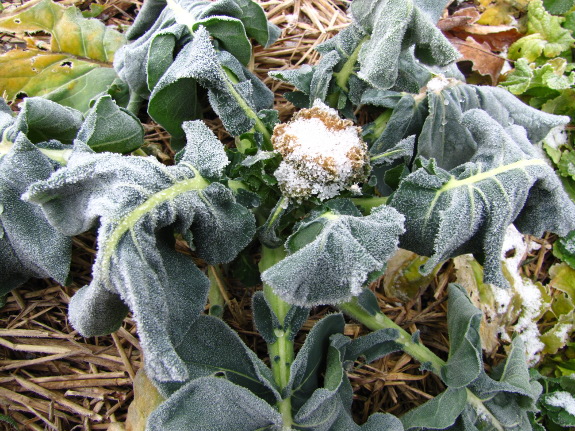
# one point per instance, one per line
(412, 347)
(281, 351)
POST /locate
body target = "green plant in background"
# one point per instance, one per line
(445, 169)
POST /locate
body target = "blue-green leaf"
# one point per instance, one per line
(332, 254)
(468, 209)
(439, 413)
(29, 245)
(215, 404)
(108, 127)
(139, 204)
(198, 62)
(221, 352)
(42, 120)
(465, 360)
(393, 26)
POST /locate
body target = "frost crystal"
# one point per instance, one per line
(322, 154)
(564, 400)
(440, 83)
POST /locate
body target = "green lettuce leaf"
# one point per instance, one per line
(29, 245)
(468, 209)
(139, 204)
(332, 253)
(546, 38)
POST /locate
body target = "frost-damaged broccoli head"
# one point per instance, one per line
(322, 154)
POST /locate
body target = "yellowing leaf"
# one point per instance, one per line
(58, 77)
(71, 32)
(75, 69)
(501, 12)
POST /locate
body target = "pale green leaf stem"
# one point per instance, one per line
(416, 350)
(130, 220)
(281, 351)
(60, 156)
(342, 77)
(259, 126)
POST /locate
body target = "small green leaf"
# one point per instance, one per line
(108, 127)
(465, 361)
(305, 373)
(439, 413)
(42, 120)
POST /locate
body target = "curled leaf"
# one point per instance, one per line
(468, 209)
(29, 245)
(139, 205)
(332, 254)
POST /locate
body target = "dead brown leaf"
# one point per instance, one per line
(483, 60)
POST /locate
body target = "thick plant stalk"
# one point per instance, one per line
(413, 348)
(281, 351)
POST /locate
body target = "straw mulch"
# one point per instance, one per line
(51, 378)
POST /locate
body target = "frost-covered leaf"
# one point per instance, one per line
(305, 372)
(546, 38)
(385, 47)
(163, 27)
(374, 345)
(465, 360)
(211, 347)
(386, 155)
(439, 413)
(447, 139)
(394, 25)
(108, 127)
(468, 209)
(198, 62)
(332, 254)
(29, 245)
(212, 403)
(139, 204)
(502, 401)
(328, 407)
(42, 120)
(73, 70)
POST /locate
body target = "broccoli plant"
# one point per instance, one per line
(443, 170)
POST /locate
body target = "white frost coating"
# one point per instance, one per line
(322, 154)
(531, 299)
(556, 137)
(440, 83)
(563, 400)
(526, 326)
